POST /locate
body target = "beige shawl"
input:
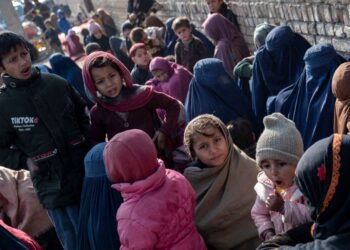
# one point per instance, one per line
(225, 196)
(19, 202)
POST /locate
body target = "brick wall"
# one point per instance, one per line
(317, 20)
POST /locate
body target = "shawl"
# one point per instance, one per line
(310, 103)
(19, 202)
(178, 82)
(323, 176)
(213, 91)
(230, 44)
(224, 197)
(277, 65)
(131, 96)
(341, 90)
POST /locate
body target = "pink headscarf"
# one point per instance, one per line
(178, 82)
(130, 156)
(140, 96)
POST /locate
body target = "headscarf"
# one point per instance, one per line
(277, 65)
(66, 68)
(230, 44)
(310, 103)
(341, 90)
(131, 96)
(130, 156)
(20, 203)
(224, 196)
(260, 33)
(323, 175)
(213, 91)
(98, 205)
(178, 82)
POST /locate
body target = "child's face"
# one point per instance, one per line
(214, 5)
(97, 34)
(184, 33)
(160, 75)
(142, 57)
(211, 150)
(107, 81)
(126, 33)
(279, 172)
(17, 63)
(48, 26)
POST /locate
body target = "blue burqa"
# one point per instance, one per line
(310, 102)
(98, 206)
(213, 91)
(277, 64)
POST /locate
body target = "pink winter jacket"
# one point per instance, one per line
(295, 209)
(158, 213)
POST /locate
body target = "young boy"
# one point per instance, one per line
(43, 128)
(141, 57)
(219, 6)
(51, 36)
(188, 49)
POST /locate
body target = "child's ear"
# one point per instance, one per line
(133, 59)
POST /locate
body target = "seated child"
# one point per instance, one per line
(122, 105)
(223, 178)
(169, 78)
(188, 49)
(74, 46)
(279, 204)
(141, 58)
(158, 208)
(51, 36)
(98, 36)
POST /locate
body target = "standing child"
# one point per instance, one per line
(52, 37)
(141, 58)
(158, 207)
(279, 204)
(188, 49)
(223, 178)
(122, 105)
(43, 126)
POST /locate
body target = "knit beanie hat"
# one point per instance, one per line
(135, 47)
(280, 140)
(93, 26)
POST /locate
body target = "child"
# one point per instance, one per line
(127, 43)
(169, 78)
(43, 126)
(92, 47)
(98, 206)
(74, 46)
(121, 105)
(158, 207)
(279, 205)
(108, 23)
(219, 6)
(230, 46)
(323, 176)
(52, 37)
(141, 58)
(223, 179)
(120, 51)
(188, 49)
(154, 43)
(86, 36)
(62, 22)
(340, 89)
(97, 36)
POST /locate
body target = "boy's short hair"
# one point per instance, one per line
(92, 47)
(181, 22)
(8, 41)
(135, 47)
(136, 35)
(241, 132)
(47, 21)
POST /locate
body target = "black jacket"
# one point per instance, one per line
(44, 118)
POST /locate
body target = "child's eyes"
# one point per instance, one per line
(282, 164)
(204, 146)
(217, 139)
(265, 166)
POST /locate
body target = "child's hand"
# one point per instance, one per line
(274, 201)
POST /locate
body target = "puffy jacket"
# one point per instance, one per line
(44, 118)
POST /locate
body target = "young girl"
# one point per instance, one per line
(74, 46)
(98, 36)
(223, 178)
(158, 207)
(279, 205)
(169, 78)
(121, 105)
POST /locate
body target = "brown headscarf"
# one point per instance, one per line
(341, 90)
(19, 202)
(225, 196)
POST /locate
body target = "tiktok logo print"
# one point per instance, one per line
(24, 123)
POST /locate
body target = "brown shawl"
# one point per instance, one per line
(341, 90)
(19, 202)
(225, 196)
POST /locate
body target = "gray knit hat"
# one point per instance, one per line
(280, 140)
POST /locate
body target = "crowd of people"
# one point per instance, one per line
(170, 138)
